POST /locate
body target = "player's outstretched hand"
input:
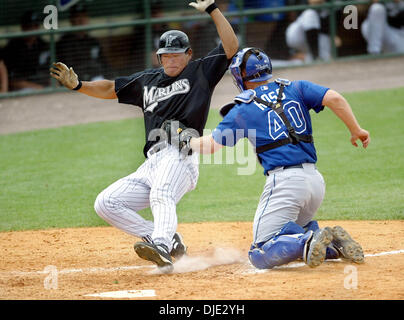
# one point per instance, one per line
(201, 5)
(66, 76)
(362, 135)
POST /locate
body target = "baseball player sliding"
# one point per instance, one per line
(275, 117)
(180, 90)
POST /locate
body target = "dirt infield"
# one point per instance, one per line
(96, 260)
(72, 263)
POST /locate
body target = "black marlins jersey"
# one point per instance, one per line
(185, 98)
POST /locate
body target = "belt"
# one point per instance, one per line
(160, 146)
(295, 166)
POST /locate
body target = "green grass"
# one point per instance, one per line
(50, 178)
(364, 183)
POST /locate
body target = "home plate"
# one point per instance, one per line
(124, 294)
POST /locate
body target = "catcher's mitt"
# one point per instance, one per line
(179, 135)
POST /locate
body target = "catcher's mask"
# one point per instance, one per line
(254, 62)
(173, 41)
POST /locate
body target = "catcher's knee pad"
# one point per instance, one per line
(312, 225)
(279, 250)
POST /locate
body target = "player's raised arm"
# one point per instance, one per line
(224, 29)
(103, 89)
(338, 104)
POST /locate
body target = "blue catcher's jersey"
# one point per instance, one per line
(262, 125)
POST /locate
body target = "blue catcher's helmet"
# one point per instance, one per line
(254, 62)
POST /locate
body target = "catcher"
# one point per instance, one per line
(278, 113)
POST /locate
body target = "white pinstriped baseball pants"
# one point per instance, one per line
(159, 183)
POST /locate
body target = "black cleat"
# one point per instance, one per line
(179, 248)
(157, 254)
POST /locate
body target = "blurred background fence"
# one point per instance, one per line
(105, 38)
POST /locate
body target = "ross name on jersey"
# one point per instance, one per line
(152, 96)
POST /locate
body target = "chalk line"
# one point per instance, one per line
(124, 294)
(128, 268)
(79, 270)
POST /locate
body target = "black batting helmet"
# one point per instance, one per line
(173, 41)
